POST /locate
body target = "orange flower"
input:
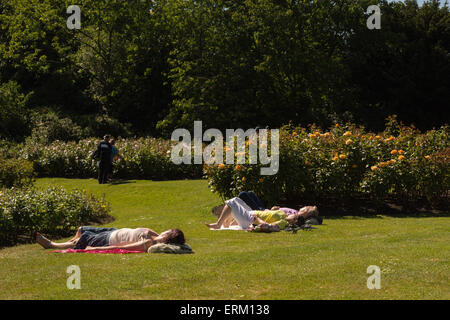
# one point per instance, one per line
(243, 179)
(363, 137)
(326, 134)
(427, 157)
(221, 166)
(377, 137)
(393, 161)
(373, 168)
(348, 134)
(348, 141)
(401, 152)
(336, 158)
(394, 151)
(382, 164)
(401, 158)
(261, 180)
(342, 156)
(238, 167)
(337, 125)
(370, 138)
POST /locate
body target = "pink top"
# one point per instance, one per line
(289, 211)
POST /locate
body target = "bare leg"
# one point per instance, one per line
(226, 213)
(77, 235)
(47, 244)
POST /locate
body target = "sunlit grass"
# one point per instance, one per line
(329, 262)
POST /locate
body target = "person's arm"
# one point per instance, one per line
(275, 208)
(135, 246)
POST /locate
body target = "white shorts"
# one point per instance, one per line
(241, 212)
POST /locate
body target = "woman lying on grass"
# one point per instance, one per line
(236, 211)
(93, 238)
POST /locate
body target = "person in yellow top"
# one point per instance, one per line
(237, 211)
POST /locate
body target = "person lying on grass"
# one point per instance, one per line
(236, 211)
(93, 238)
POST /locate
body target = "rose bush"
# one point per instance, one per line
(346, 162)
(144, 158)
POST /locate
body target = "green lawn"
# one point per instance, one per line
(327, 263)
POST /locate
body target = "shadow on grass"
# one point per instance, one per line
(120, 181)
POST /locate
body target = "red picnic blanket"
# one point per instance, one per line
(116, 251)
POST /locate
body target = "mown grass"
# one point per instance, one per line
(326, 263)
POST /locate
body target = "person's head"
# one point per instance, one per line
(295, 220)
(174, 236)
(309, 211)
(112, 142)
(107, 137)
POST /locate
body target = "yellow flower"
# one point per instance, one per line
(342, 156)
(377, 137)
(243, 179)
(394, 151)
(294, 133)
(317, 133)
(373, 168)
(348, 134)
(103, 206)
(426, 157)
(370, 138)
(337, 125)
(401, 158)
(363, 137)
(348, 141)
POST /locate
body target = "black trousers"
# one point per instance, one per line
(103, 169)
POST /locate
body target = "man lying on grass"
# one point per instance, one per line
(93, 238)
(236, 211)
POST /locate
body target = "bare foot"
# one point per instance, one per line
(43, 241)
(212, 225)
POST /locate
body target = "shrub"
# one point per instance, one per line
(49, 127)
(144, 158)
(345, 163)
(54, 212)
(16, 173)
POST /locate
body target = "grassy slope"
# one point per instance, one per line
(327, 263)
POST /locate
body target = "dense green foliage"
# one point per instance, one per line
(16, 173)
(152, 66)
(143, 158)
(345, 163)
(53, 211)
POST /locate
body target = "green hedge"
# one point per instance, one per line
(144, 158)
(345, 163)
(16, 173)
(54, 212)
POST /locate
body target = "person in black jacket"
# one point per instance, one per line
(103, 154)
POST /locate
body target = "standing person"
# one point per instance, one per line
(114, 155)
(103, 154)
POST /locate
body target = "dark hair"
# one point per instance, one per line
(112, 142)
(175, 236)
(300, 221)
(107, 137)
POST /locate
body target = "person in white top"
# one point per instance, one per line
(94, 238)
